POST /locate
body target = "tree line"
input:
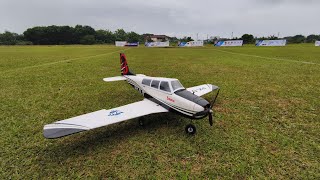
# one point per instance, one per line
(65, 35)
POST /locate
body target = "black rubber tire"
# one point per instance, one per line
(190, 129)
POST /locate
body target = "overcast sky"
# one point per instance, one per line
(170, 17)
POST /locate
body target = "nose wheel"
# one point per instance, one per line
(190, 129)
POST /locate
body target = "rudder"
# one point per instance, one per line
(124, 65)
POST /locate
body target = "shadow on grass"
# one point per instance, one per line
(85, 143)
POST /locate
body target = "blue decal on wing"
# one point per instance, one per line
(115, 113)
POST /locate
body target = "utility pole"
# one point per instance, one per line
(232, 35)
(197, 36)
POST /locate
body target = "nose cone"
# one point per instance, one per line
(201, 103)
(198, 108)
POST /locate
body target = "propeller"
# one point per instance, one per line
(211, 111)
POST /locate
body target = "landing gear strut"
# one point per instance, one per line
(190, 129)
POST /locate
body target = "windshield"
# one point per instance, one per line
(176, 85)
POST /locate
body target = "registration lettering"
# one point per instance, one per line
(169, 99)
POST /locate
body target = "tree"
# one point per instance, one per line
(88, 39)
(312, 38)
(273, 37)
(173, 39)
(35, 35)
(120, 35)
(189, 39)
(296, 39)
(81, 31)
(8, 38)
(100, 36)
(104, 36)
(247, 38)
(186, 39)
(133, 37)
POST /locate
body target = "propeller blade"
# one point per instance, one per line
(214, 100)
(210, 119)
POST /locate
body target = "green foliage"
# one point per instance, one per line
(24, 43)
(134, 37)
(8, 38)
(105, 36)
(248, 39)
(173, 40)
(51, 35)
(186, 39)
(88, 39)
(120, 35)
(296, 39)
(312, 38)
(273, 37)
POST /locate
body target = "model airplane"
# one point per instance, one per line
(161, 95)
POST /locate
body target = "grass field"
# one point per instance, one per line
(267, 116)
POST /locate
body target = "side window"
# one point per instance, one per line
(146, 82)
(165, 86)
(155, 84)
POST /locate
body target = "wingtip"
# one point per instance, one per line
(214, 87)
(52, 131)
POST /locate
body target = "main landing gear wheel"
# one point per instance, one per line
(190, 129)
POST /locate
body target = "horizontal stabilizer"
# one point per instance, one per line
(116, 78)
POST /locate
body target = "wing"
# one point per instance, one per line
(116, 78)
(101, 118)
(202, 89)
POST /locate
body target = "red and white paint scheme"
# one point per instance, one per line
(161, 95)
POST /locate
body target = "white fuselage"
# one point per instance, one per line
(163, 90)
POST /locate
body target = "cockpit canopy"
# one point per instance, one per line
(167, 85)
(176, 85)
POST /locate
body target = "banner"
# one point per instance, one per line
(317, 43)
(157, 44)
(229, 43)
(191, 44)
(121, 43)
(132, 44)
(282, 42)
(125, 43)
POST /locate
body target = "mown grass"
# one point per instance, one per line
(267, 115)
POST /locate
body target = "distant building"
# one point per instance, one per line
(156, 38)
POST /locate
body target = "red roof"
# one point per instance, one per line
(158, 36)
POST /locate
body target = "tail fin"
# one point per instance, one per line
(124, 65)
